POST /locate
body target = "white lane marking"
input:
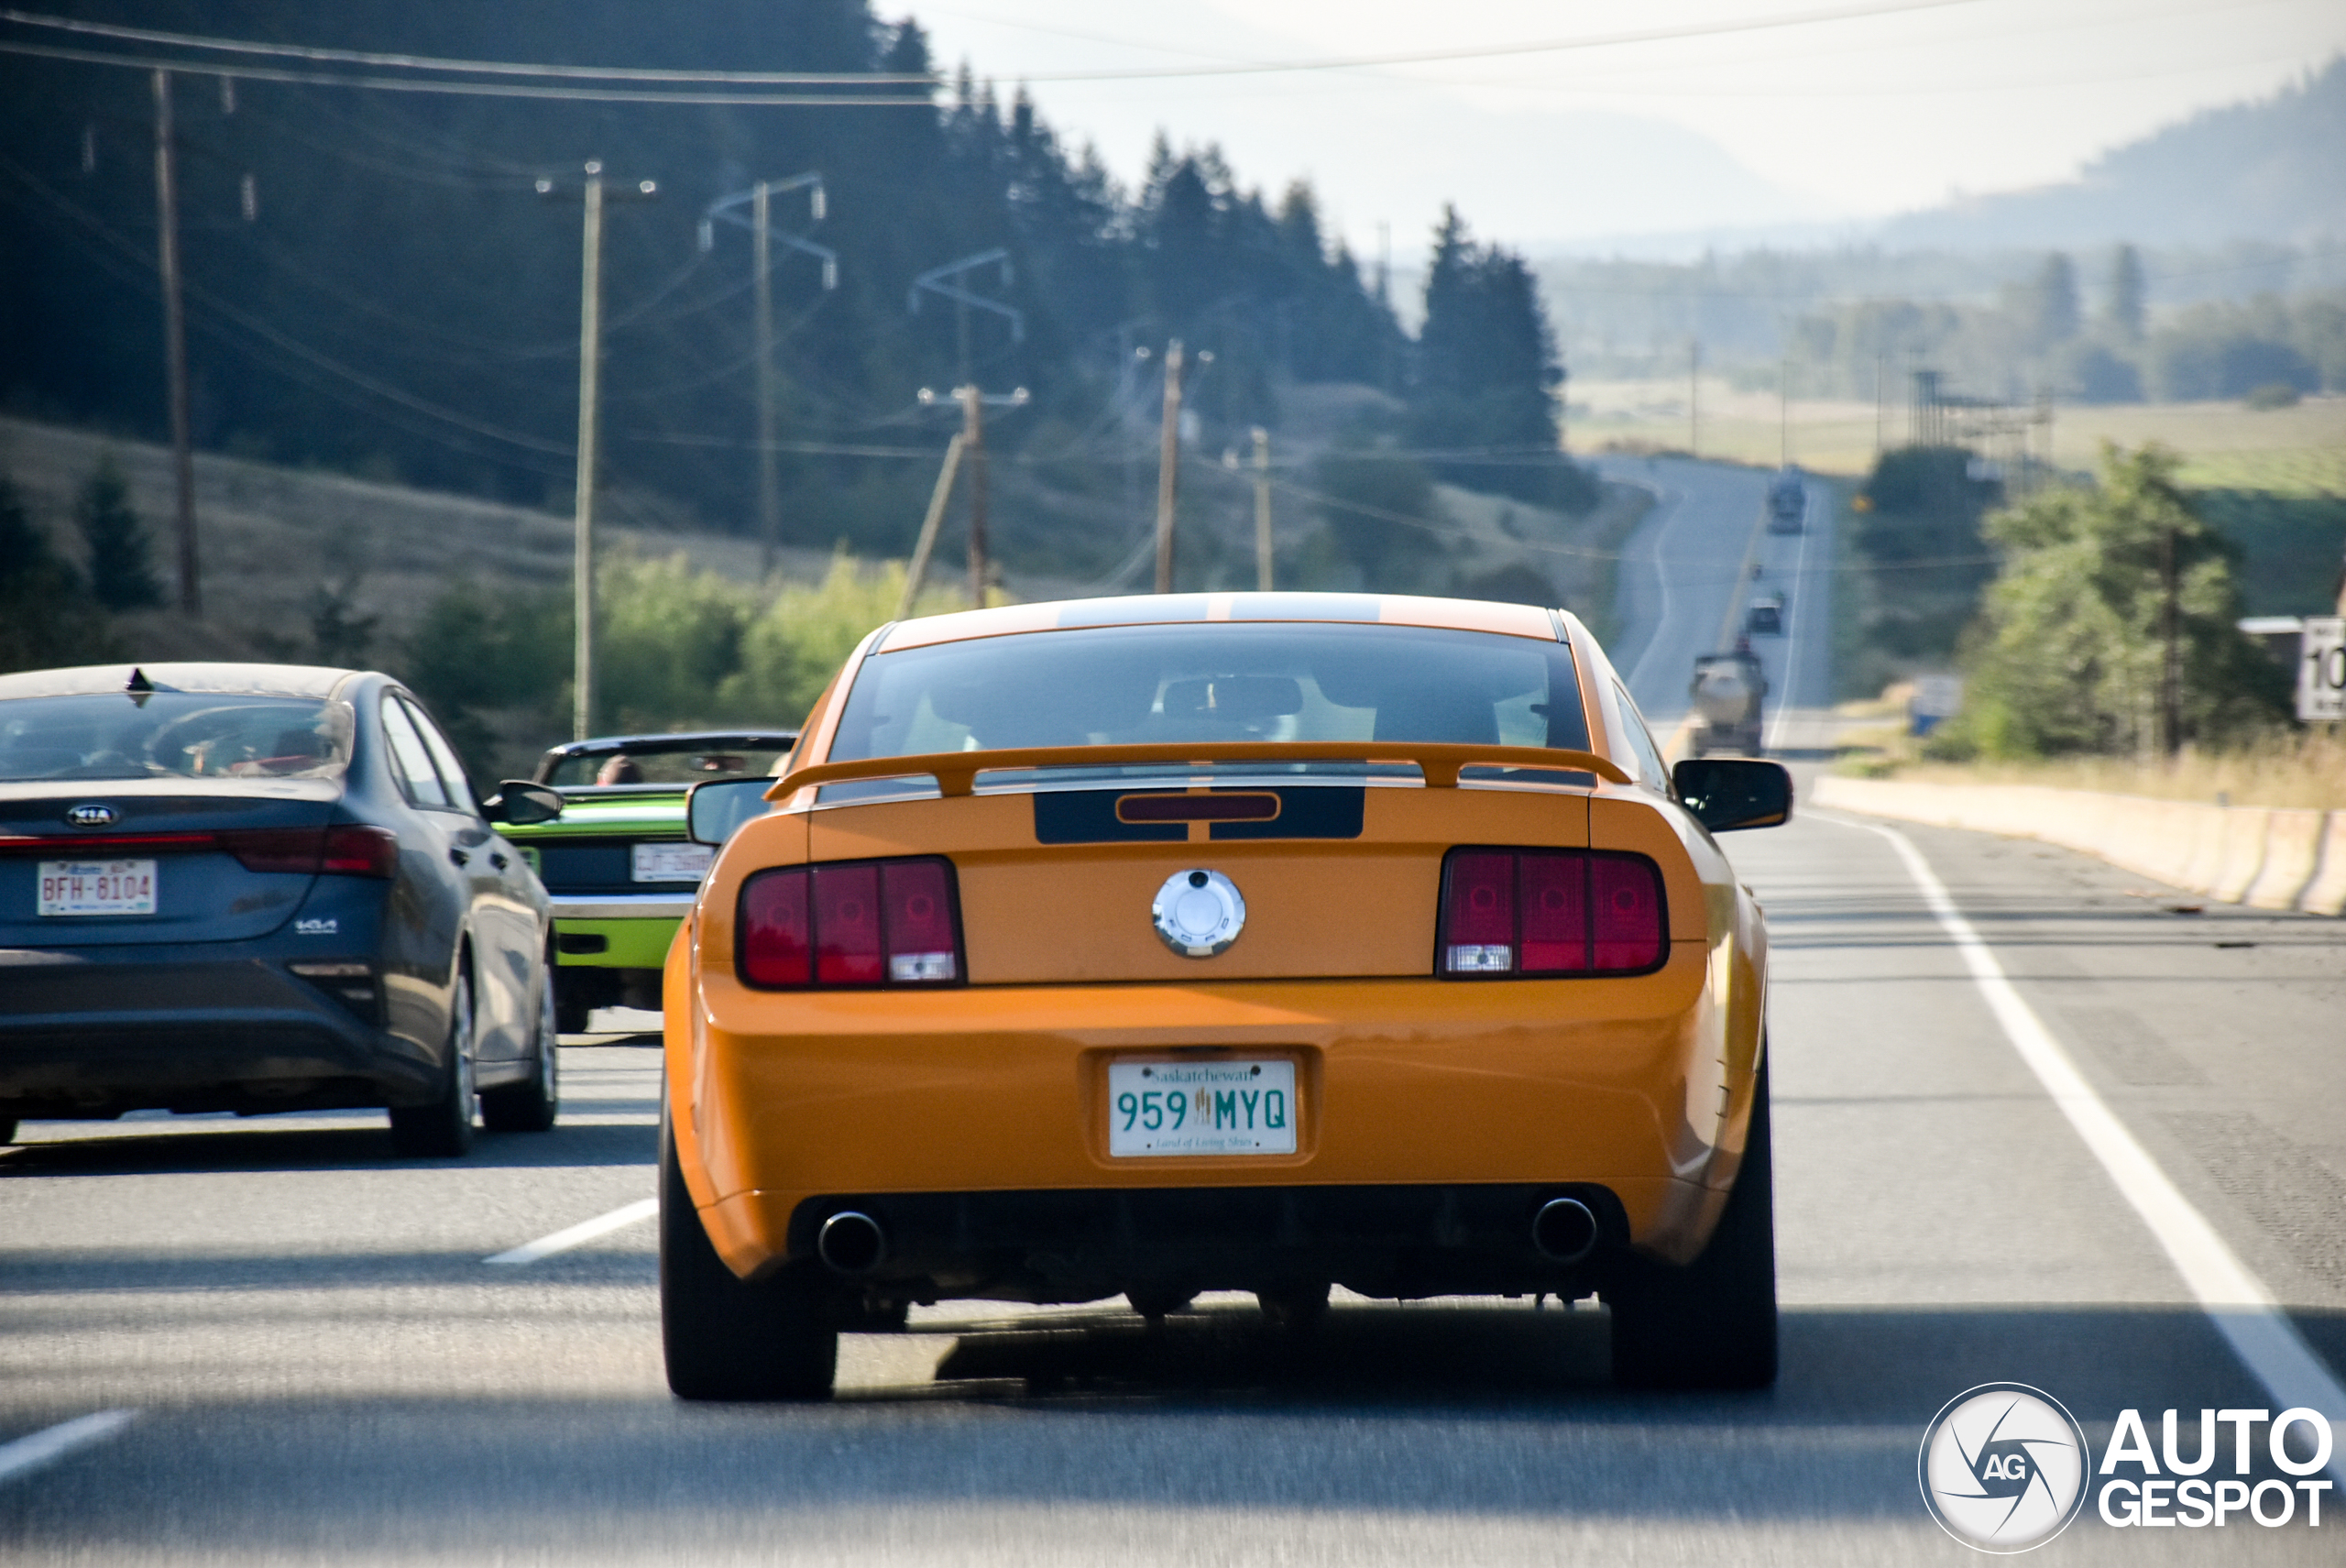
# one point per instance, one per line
(1793, 619)
(1677, 502)
(579, 1235)
(2243, 1310)
(32, 1452)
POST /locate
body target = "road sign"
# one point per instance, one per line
(2321, 670)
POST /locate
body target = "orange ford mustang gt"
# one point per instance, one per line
(1235, 941)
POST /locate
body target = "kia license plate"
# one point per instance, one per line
(672, 863)
(96, 887)
(1158, 1108)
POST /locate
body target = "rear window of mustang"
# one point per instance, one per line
(1214, 681)
(173, 734)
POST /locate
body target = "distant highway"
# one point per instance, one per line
(1685, 579)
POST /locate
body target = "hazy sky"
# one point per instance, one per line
(1840, 119)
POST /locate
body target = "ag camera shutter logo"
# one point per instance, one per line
(2003, 1467)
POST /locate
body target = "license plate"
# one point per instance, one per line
(672, 863)
(96, 887)
(1158, 1108)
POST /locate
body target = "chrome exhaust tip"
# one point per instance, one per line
(851, 1243)
(1564, 1230)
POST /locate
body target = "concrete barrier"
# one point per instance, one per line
(2267, 858)
(2326, 892)
(2292, 855)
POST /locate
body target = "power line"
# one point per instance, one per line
(477, 67)
(244, 73)
(803, 79)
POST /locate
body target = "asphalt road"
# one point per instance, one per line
(318, 1364)
(1689, 572)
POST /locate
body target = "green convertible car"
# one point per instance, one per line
(616, 863)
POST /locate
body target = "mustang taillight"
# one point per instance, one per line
(866, 923)
(1529, 912)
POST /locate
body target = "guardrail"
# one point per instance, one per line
(2266, 857)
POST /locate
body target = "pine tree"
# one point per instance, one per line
(121, 565)
(45, 618)
(2054, 303)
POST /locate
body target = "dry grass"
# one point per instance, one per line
(2303, 772)
(2293, 451)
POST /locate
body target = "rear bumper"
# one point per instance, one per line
(619, 930)
(1174, 1241)
(193, 1026)
(1631, 1086)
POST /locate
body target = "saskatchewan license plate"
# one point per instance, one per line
(1160, 1108)
(672, 863)
(96, 887)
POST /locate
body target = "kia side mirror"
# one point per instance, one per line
(1728, 793)
(715, 811)
(519, 804)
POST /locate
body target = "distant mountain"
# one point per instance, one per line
(2272, 171)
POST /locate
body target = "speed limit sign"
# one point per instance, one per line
(2321, 670)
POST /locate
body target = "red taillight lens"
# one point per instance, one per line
(773, 935)
(864, 924)
(1530, 913)
(847, 925)
(1625, 891)
(923, 945)
(292, 849)
(353, 849)
(1478, 913)
(1555, 914)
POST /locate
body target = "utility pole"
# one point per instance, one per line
(973, 448)
(167, 256)
(591, 364)
(1262, 509)
(1881, 397)
(769, 471)
(2170, 660)
(1693, 396)
(1168, 466)
(937, 498)
(763, 235)
(1784, 409)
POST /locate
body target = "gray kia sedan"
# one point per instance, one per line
(263, 887)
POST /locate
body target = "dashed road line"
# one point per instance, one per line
(579, 1235)
(2240, 1305)
(52, 1443)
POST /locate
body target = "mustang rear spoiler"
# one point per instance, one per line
(956, 773)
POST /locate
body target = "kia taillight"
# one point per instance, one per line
(1537, 913)
(347, 849)
(867, 923)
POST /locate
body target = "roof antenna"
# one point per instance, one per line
(139, 687)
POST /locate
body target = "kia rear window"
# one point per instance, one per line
(173, 734)
(1214, 681)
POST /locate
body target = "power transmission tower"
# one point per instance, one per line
(593, 195)
(167, 256)
(760, 199)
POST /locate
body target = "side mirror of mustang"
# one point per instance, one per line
(519, 804)
(1727, 793)
(715, 811)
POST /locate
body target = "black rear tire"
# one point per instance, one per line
(1712, 1323)
(577, 994)
(7, 1129)
(442, 1129)
(729, 1338)
(533, 1106)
